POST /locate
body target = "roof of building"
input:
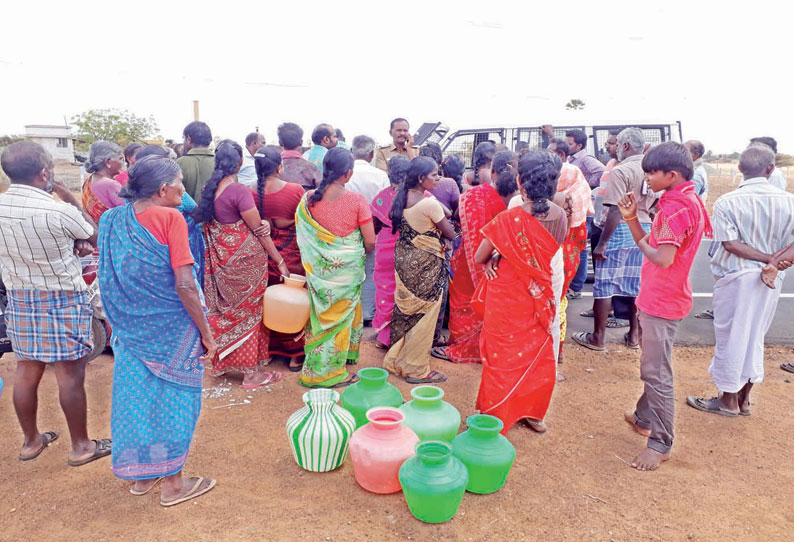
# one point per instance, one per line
(47, 126)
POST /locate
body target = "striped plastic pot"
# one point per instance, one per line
(319, 433)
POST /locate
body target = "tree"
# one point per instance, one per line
(6, 140)
(575, 104)
(117, 125)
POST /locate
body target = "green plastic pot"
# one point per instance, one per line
(433, 482)
(488, 455)
(372, 390)
(429, 416)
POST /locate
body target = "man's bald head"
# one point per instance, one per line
(24, 161)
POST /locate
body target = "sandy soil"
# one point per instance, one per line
(729, 477)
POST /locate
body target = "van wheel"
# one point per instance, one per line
(99, 335)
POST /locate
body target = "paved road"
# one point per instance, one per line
(693, 330)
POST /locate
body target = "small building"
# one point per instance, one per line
(56, 139)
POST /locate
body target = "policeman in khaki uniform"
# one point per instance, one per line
(402, 145)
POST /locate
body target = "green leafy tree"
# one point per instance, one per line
(575, 104)
(117, 125)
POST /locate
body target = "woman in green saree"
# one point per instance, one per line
(335, 231)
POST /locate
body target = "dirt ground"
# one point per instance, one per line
(729, 478)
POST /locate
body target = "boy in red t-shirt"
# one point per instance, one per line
(665, 290)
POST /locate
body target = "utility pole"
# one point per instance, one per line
(195, 110)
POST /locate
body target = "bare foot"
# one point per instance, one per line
(649, 459)
(629, 417)
(260, 378)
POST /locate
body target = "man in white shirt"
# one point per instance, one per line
(367, 180)
(700, 177)
(247, 176)
(752, 225)
(48, 313)
(776, 178)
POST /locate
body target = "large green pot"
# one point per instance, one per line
(488, 456)
(433, 482)
(429, 416)
(372, 390)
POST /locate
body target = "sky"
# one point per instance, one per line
(718, 67)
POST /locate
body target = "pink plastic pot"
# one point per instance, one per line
(379, 448)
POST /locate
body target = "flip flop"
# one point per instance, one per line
(707, 405)
(103, 448)
(573, 295)
(788, 367)
(441, 341)
(707, 314)
(433, 377)
(439, 352)
(352, 379)
(628, 345)
(272, 378)
(49, 437)
(192, 494)
(587, 314)
(582, 338)
(141, 493)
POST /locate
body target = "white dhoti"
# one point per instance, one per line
(743, 312)
(557, 281)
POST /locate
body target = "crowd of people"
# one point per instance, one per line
(397, 238)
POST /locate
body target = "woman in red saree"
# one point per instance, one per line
(478, 206)
(237, 248)
(518, 301)
(277, 200)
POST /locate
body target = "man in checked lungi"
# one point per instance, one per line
(48, 314)
(618, 260)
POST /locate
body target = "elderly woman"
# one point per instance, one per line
(237, 250)
(161, 337)
(100, 189)
(335, 230)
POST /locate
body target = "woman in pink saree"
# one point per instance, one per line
(384, 250)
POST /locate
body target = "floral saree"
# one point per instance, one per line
(519, 305)
(334, 274)
(234, 285)
(157, 372)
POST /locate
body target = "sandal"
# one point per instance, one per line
(380, 346)
(151, 487)
(628, 344)
(788, 367)
(582, 338)
(571, 295)
(709, 405)
(707, 314)
(295, 368)
(433, 377)
(48, 437)
(192, 494)
(439, 352)
(352, 379)
(587, 314)
(103, 448)
(615, 323)
(270, 378)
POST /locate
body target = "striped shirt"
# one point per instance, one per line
(759, 215)
(37, 235)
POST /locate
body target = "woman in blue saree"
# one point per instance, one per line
(161, 336)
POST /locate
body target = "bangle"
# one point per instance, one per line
(630, 218)
(281, 262)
